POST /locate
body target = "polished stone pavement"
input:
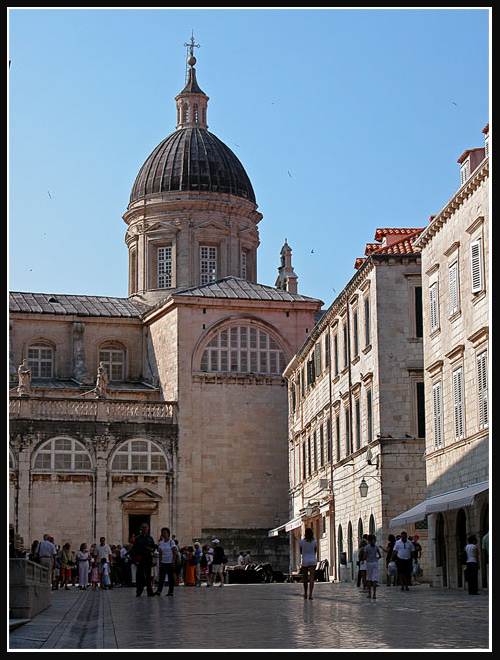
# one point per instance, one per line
(264, 616)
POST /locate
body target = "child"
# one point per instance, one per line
(105, 581)
(94, 574)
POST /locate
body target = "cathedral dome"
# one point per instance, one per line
(192, 159)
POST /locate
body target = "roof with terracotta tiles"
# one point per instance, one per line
(402, 245)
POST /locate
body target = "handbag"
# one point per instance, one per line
(391, 568)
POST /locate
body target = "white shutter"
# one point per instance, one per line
(453, 274)
(458, 403)
(433, 305)
(476, 265)
(437, 409)
(482, 388)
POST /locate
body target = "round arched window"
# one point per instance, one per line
(243, 349)
(139, 456)
(62, 454)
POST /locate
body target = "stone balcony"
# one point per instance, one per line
(95, 410)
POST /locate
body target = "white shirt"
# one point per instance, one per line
(103, 552)
(404, 549)
(308, 549)
(469, 549)
(166, 551)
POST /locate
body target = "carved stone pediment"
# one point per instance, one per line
(140, 495)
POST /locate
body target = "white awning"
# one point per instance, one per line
(455, 499)
(288, 526)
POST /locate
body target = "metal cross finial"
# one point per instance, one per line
(191, 45)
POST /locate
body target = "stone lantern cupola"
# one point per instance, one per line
(192, 101)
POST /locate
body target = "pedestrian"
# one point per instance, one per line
(308, 547)
(102, 551)
(94, 573)
(47, 555)
(65, 562)
(197, 568)
(189, 564)
(371, 554)
(33, 555)
(416, 571)
(143, 549)
(104, 574)
(248, 559)
(362, 564)
(82, 560)
(472, 565)
(167, 554)
(403, 554)
(205, 561)
(218, 563)
(392, 575)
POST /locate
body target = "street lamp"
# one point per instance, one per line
(308, 510)
(363, 488)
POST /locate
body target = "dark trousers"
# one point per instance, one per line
(166, 569)
(143, 577)
(471, 571)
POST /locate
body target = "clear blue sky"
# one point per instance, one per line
(344, 119)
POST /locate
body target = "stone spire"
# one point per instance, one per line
(192, 101)
(287, 279)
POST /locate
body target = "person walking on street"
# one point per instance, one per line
(389, 549)
(65, 561)
(218, 563)
(143, 549)
(197, 567)
(168, 552)
(403, 554)
(372, 554)
(47, 555)
(472, 565)
(308, 551)
(82, 559)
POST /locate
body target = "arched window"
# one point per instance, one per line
(62, 454)
(41, 360)
(372, 525)
(139, 456)
(113, 358)
(244, 349)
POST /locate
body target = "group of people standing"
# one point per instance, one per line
(142, 562)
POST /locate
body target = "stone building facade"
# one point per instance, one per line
(188, 428)
(456, 286)
(357, 409)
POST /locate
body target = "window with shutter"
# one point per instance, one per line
(453, 276)
(476, 263)
(433, 306)
(482, 388)
(437, 414)
(458, 403)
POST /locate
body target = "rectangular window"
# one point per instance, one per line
(208, 264)
(244, 265)
(315, 451)
(327, 350)
(420, 409)
(355, 332)
(164, 267)
(437, 405)
(419, 318)
(337, 434)
(482, 388)
(328, 440)
(304, 459)
(458, 403)
(433, 306)
(348, 448)
(476, 265)
(367, 322)
(369, 415)
(358, 424)
(321, 446)
(345, 345)
(336, 354)
(453, 279)
(317, 359)
(309, 457)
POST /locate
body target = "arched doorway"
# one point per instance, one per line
(441, 549)
(461, 536)
(372, 525)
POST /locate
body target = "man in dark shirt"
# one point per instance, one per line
(142, 550)
(217, 567)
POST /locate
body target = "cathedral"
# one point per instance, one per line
(167, 406)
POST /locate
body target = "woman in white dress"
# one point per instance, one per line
(82, 557)
(309, 553)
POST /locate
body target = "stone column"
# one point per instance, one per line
(101, 489)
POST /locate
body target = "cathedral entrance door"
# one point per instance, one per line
(135, 522)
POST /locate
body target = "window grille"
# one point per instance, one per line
(62, 454)
(139, 456)
(41, 360)
(164, 267)
(437, 413)
(208, 264)
(482, 388)
(458, 403)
